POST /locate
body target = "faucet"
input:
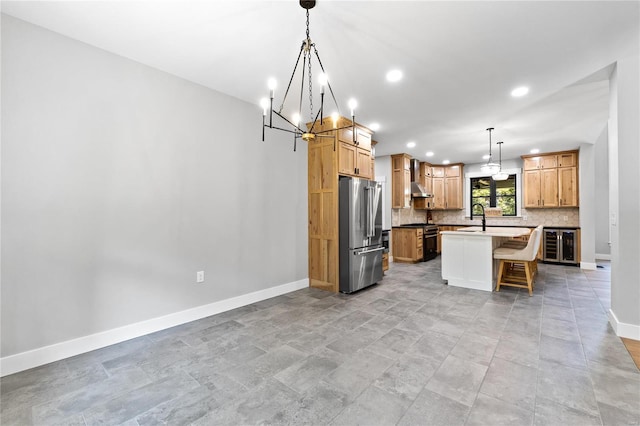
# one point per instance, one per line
(484, 218)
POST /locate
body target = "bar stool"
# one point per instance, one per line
(518, 267)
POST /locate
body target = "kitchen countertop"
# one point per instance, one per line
(474, 223)
(415, 225)
(496, 231)
(508, 226)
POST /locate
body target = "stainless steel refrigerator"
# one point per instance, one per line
(360, 233)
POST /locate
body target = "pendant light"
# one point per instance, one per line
(490, 168)
(500, 175)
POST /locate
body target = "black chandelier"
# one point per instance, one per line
(294, 125)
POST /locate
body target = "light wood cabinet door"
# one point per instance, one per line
(399, 245)
(407, 188)
(548, 161)
(453, 191)
(568, 187)
(438, 193)
(569, 159)
(549, 187)
(362, 139)
(530, 163)
(363, 164)
(397, 189)
(400, 181)
(452, 171)
(532, 188)
(346, 159)
(541, 162)
(407, 244)
(425, 170)
(437, 171)
(428, 185)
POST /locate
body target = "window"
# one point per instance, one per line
(491, 193)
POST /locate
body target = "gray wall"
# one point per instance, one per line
(587, 206)
(120, 181)
(602, 195)
(624, 182)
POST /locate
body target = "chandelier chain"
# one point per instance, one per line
(308, 52)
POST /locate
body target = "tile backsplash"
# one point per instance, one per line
(410, 215)
(535, 217)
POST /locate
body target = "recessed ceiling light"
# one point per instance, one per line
(374, 126)
(519, 91)
(394, 76)
(534, 151)
(411, 144)
(485, 157)
(430, 154)
(446, 162)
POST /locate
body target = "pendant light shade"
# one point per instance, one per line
(500, 175)
(491, 167)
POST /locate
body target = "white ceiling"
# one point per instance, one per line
(460, 60)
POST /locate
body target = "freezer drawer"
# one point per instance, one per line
(360, 268)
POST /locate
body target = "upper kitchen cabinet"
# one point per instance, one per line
(453, 187)
(568, 159)
(401, 181)
(445, 183)
(551, 180)
(355, 153)
(543, 161)
(437, 171)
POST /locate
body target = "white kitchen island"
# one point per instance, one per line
(467, 255)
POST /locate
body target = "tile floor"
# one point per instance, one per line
(409, 351)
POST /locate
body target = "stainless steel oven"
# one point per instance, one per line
(430, 242)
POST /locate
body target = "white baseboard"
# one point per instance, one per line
(602, 256)
(40, 356)
(629, 331)
(588, 265)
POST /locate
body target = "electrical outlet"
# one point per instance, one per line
(524, 218)
(200, 276)
(566, 218)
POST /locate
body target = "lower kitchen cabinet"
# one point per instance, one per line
(385, 261)
(407, 245)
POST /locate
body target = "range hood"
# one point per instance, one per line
(417, 190)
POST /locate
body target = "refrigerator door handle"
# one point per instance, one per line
(371, 231)
(370, 251)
